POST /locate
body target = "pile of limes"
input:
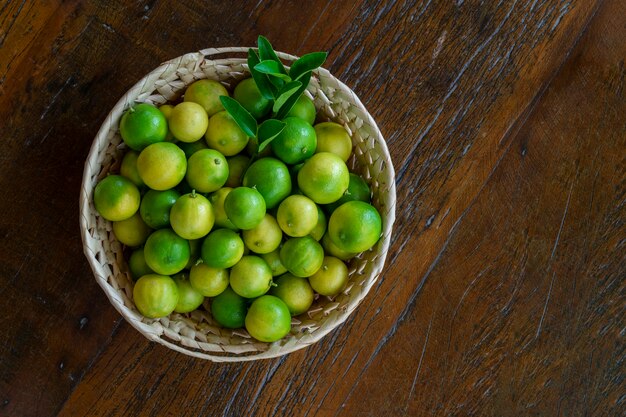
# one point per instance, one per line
(209, 215)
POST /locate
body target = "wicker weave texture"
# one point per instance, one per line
(197, 334)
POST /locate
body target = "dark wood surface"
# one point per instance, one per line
(504, 290)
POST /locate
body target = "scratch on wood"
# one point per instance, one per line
(56, 96)
(439, 45)
(556, 244)
(419, 366)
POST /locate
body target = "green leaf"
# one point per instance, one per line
(242, 117)
(285, 93)
(272, 68)
(266, 52)
(307, 63)
(267, 89)
(268, 131)
(289, 103)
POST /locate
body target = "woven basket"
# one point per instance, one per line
(197, 334)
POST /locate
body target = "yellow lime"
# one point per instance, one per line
(331, 278)
(116, 198)
(273, 260)
(188, 121)
(333, 250)
(155, 295)
(192, 216)
(132, 231)
(206, 93)
(251, 277)
(355, 226)
(264, 237)
(297, 215)
(207, 170)
(295, 292)
(320, 228)
(236, 168)
(268, 319)
(332, 137)
(224, 135)
(217, 201)
(162, 166)
(189, 298)
(207, 280)
(303, 109)
(129, 168)
(302, 256)
(324, 178)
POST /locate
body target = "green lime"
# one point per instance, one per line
(166, 253)
(331, 278)
(297, 215)
(137, 265)
(229, 309)
(222, 248)
(303, 109)
(251, 277)
(358, 190)
(296, 142)
(188, 121)
(355, 226)
(162, 166)
(217, 201)
(207, 170)
(320, 228)
(333, 138)
(273, 260)
(132, 231)
(264, 237)
(333, 250)
(142, 125)
(225, 135)
(324, 178)
(192, 216)
(295, 292)
(207, 280)
(155, 207)
(206, 93)
(268, 319)
(271, 178)
(116, 198)
(249, 96)
(129, 168)
(302, 256)
(236, 168)
(155, 295)
(189, 298)
(245, 207)
(192, 147)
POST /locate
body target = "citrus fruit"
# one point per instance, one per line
(192, 216)
(264, 237)
(162, 166)
(273, 260)
(166, 253)
(245, 207)
(271, 178)
(297, 215)
(268, 319)
(295, 292)
(251, 276)
(358, 190)
(189, 298)
(207, 280)
(252, 148)
(302, 256)
(155, 295)
(166, 109)
(249, 96)
(225, 135)
(116, 198)
(236, 168)
(128, 168)
(155, 207)
(355, 226)
(142, 125)
(324, 178)
(222, 248)
(188, 121)
(206, 93)
(320, 228)
(132, 231)
(194, 252)
(303, 109)
(192, 147)
(207, 170)
(333, 250)
(296, 142)
(333, 138)
(331, 278)
(217, 201)
(229, 309)
(137, 264)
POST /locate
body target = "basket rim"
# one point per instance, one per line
(113, 294)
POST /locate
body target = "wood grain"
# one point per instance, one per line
(504, 289)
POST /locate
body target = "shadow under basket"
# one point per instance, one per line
(197, 334)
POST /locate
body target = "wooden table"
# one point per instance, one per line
(504, 289)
